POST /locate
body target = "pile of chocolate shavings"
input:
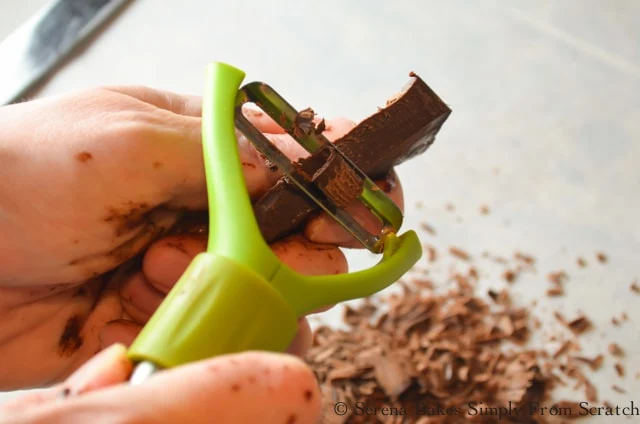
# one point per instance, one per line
(444, 350)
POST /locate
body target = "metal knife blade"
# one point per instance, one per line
(35, 49)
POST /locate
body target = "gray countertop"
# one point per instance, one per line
(545, 128)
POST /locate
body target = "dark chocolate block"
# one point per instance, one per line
(406, 127)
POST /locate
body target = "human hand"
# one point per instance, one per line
(88, 181)
(250, 387)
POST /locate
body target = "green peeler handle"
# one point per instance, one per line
(234, 231)
(238, 295)
(309, 293)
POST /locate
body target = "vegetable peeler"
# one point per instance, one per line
(238, 295)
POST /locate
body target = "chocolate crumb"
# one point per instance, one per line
(615, 350)
(577, 325)
(292, 419)
(618, 389)
(635, 287)
(428, 228)
(581, 262)
(602, 258)
(555, 291)
(557, 277)
(509, 275)
(459, 253)
(595, 363)
(432, 254)
(484, 210)
(527, 259)
(619, 369)
(84, 156)
(590, 391)
(564, 348)
(64, 393)
(308, 395)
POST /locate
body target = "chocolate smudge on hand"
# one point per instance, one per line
(71, 340)
(127, 218)
(84, 156)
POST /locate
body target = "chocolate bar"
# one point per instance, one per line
(403, 129)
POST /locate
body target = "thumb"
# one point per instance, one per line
(248, 387)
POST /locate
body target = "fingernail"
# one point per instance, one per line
(119, 331)
(168, 268)
(321, 230)
(108, 367)
(326, 230)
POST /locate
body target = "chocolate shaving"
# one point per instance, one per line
(590, 391)
(459, 253)
(439, 349)
(564, 348)
(555, 291)
(618, 389)
(428, 228)
(527, 259)
(577, 325)
(557, 277)
(509, 276)
(432, 254)
(303, 123)
(615, 350)
(619, 369)
(595, 363)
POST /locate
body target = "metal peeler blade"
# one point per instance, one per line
(331, 199)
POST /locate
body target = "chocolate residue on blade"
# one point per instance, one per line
(405, 128)
(333, 176)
